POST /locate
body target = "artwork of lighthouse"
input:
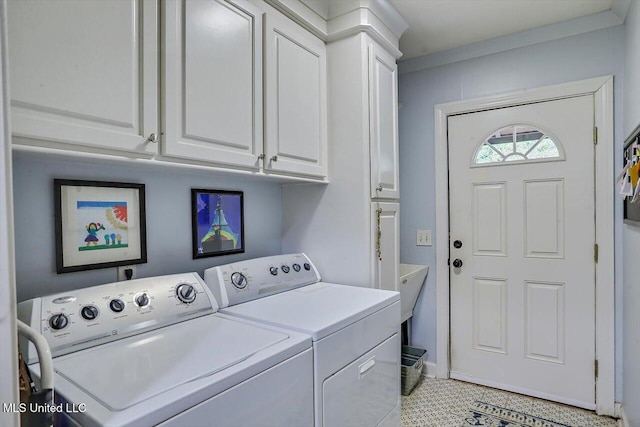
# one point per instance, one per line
(217, 222)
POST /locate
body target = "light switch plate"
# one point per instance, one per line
(423, 238)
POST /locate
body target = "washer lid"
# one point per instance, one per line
(318, 310)
(124, 373)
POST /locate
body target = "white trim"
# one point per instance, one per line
(525, 391)
(621, 8)
(602, 89)
(429, 370)
(605, 306)
(8, 328)
(572, 27)
(623, 421)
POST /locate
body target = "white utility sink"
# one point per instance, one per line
(411, 279)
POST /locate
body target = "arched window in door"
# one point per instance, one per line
(518, 143)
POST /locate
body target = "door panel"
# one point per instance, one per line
(490, 219)
(383, 110)
(61, 92)
(213, 81)
(387, 262)
(296, 103)
(523, 301)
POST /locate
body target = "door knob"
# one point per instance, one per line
(457, 263)
(457, 244)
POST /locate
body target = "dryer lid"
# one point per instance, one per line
(317, 310)
(124, 373)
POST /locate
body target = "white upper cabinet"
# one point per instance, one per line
(383, 122)
(296, 99)
(85, 72)
(213, 81)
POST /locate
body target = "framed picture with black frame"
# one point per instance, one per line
(631, 149)
(99, 224)
(217, 222)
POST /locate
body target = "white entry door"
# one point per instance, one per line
(521, 182)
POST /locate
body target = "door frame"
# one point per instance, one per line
(602, 90)
(8, 331)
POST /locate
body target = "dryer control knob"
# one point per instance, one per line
(296, 267)
(285, 268)
(116, 305)
(89, 312)
(273, 271)
(186, 293)
(239, 280)
(307, 266)
(58, 321)
(142, 300)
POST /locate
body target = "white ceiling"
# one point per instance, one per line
(437, 25)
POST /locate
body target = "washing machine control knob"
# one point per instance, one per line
(285, 268)
(296, 267)
(116, 305)
(186, 293)
(58, 321)
(273, 271)
(142, 300)
(307, 266)
(239, 280)
(89, 312)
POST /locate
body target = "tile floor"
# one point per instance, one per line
(446, 403)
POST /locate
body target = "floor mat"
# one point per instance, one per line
(487, 415)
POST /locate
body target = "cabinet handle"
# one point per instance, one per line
(261, 156)
(152, 138)
(274, 158)
(379, 188)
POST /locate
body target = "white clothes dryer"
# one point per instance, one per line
(355, 332)
(155, 352)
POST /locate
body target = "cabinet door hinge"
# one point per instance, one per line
(595, 135)
(595, 368)
(595, 253)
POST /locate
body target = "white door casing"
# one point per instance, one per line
(60, 92)
(523, 302)
(602, 89)
(9, 348)
(213, 81)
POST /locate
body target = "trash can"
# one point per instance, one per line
(411, 361)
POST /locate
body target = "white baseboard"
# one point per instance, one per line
(623, 421)
(430, 370)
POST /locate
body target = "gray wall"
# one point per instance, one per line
(168, 200)
(631, 234)
(584, 56)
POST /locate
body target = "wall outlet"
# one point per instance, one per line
(423, 238)
(122, 272)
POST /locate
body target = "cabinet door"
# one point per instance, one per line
(385, 218)
(296, 102)
(213, 81)
(85, 72)
(383, 122)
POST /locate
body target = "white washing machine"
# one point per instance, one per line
(155, 352)
(355, 332)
